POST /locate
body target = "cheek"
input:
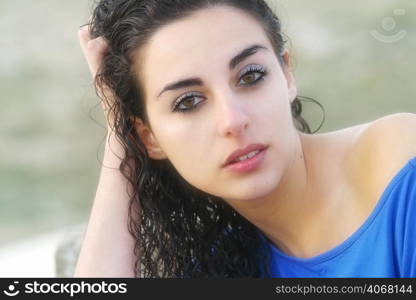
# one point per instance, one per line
(187, 148)
(271, 111)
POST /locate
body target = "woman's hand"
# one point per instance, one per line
(94, 51)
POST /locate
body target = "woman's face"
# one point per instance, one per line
(213, 85)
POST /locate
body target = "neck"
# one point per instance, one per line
(288, 215)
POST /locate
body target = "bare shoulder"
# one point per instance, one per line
(363, 159)
(380, 149)
(391, 140)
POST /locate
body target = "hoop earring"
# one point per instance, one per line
(297, 109)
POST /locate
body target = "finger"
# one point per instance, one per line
(84, 35)
(84, 38)
(96, 49)
(93, 49)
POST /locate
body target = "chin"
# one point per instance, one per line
(251, 191)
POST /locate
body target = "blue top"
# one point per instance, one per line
(383, 246)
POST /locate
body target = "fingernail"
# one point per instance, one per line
(84, 25)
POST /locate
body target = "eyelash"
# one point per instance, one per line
(248, 70)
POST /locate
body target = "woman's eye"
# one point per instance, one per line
(252, 75)
(187, 103)
(251, 78)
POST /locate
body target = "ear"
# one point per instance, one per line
(148, 139)
(288, 71)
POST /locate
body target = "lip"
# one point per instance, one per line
(240, 152)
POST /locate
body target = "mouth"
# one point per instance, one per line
(245, 159)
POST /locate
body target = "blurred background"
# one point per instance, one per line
(356, 58)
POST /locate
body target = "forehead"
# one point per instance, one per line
(207, 37)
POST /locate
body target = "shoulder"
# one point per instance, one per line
(391, 139)
(380, 149)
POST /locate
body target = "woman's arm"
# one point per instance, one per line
(107, 249)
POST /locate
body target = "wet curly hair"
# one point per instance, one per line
(180, 232)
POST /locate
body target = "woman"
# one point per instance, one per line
(219, 174)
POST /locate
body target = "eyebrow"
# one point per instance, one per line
(234, 62)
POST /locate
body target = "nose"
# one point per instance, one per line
(232, 119)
